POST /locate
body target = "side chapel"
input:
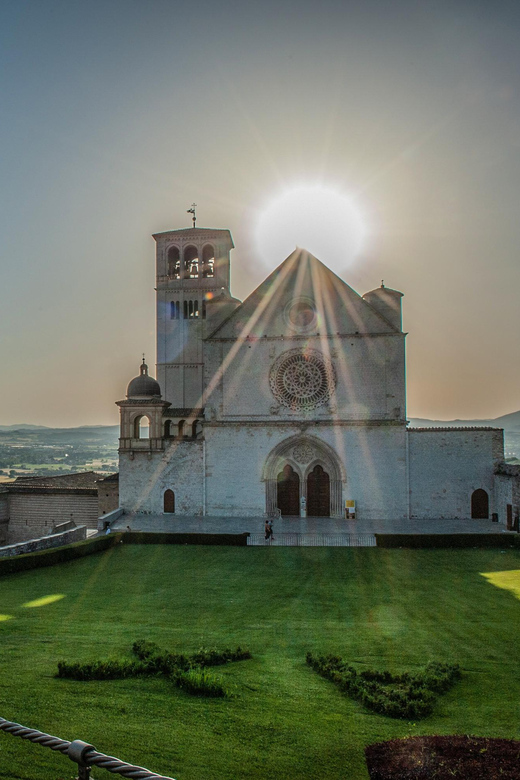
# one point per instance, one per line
(294, 399)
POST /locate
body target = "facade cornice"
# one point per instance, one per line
(302, 424)
(307, 337)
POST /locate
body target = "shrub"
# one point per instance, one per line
(199, 682)
(186, 671)
(409, 696)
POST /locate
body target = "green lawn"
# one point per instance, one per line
(385, 609)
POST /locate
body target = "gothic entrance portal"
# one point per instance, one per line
(288, 492)
(318, 493)
(303, 473)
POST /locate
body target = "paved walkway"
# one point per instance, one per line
(298, 525)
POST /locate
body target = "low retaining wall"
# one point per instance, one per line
(447, 540)
(105, 520)
(45, 542)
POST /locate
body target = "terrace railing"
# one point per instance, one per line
(84, 755)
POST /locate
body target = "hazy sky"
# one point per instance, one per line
(117, 114)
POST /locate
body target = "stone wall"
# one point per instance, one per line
(34, 514)
(45, 542)
(371, 458)
(447, 465)
(4, 515)
(144, 478)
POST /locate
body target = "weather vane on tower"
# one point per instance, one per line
(192, 212)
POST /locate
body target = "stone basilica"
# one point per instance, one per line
(294, 400)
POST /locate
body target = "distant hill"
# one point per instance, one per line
(509, 422)
(23, 426)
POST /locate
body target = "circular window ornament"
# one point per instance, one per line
(302, 380)
(300, 314)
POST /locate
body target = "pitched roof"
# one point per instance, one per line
(301, 275)
(82, 479)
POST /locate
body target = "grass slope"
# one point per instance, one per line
(387, 609)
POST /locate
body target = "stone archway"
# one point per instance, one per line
(308, 458)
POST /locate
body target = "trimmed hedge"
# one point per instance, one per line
(187, 672)
(51, 557)
(447, 540)
(145, 537)
(409, 696)
(98, 544)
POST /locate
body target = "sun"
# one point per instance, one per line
(323, 220)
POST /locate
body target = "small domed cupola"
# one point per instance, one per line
(143, 386)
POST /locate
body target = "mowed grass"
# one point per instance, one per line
(384, 609)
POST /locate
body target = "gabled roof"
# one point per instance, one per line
(302, 276)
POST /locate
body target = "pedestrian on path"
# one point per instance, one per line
(267, 530)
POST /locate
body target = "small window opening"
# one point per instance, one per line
(181, 428)
(185, 310)
(141, 427)
(203, 309)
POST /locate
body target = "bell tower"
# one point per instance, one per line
(193, 267)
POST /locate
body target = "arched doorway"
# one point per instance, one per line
(479, 505)
(169, 502)
(288, 492)
(318, 493)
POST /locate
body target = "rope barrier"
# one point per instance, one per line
(82, 753)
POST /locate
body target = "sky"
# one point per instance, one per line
(116, 115)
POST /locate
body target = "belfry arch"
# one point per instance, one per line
(305, 459)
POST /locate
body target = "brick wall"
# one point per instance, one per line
(33, 515)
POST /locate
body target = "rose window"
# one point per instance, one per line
(302, 380)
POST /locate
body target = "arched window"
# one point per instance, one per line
(190, 310)
(204, 309)
(174, 262)
(142, 427)
(168, 429)
(169, 502)
(479, 505)
(181, 428)
(191, 262)
(195, 308)
(195, 429)
(208, 261)
(175, 309)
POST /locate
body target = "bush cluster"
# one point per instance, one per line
(187, 672)
(409, 696)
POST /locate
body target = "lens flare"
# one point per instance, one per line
(325, 221)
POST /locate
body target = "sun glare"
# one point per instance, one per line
(323, 220)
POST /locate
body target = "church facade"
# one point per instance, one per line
(293, 400)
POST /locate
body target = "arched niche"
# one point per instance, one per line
(479, 505)
(208, 261)
(169, 502)
(191, 262)
(174, 262)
